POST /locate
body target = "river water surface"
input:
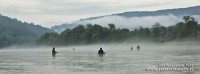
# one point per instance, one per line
(119, 59)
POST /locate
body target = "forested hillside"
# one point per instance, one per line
(13, 31)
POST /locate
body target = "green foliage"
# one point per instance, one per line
(98, 34)
(6, 39)
(15, 32)
(198, 35)
(85, 34)
(49, 38)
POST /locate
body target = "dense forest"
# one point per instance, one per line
(13, 31)
(187, 30)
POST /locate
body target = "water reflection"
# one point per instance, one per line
(101, 55)
(53, 55)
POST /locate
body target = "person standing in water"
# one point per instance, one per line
(100, 52)
(54, 51)
(138, 47)
(131, 48)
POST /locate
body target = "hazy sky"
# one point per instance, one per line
(52, 12)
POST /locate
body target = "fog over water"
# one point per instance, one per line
(119, 59)
(135, 22)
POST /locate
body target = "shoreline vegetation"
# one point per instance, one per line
(91, 34)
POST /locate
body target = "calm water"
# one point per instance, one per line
(84, 60)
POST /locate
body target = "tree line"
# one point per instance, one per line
(187, 30)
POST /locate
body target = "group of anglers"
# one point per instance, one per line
(100, 52)
(138, 47)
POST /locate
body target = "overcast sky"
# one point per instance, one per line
(51, 12)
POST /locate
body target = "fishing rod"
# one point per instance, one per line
(112, 48)
(106, 51)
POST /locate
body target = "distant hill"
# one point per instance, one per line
(178, 12)
(62, 27)
(135, 19)
(13, 31)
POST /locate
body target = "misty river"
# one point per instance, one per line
(119, 59)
